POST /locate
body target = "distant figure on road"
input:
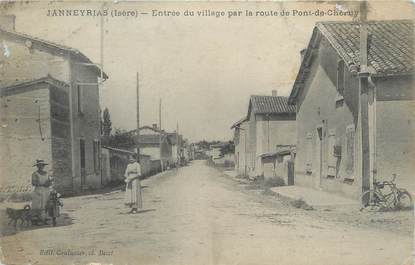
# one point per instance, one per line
(41, 181)
(132, 175)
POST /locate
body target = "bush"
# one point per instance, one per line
(258, 179)
(274, 182)
(301, 204)
(115, 183)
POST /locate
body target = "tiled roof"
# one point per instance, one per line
(391, 50)
(56, 48)
(236, 124)
(392, 44)
(154, 139)
(149, 128)
(270, 104)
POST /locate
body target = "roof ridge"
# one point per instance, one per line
(269, 96)
(47, 79)
(53, 46)
(369, 21)
(25, 35)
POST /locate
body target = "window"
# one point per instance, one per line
(350, 134)
(79, 91)
(339, 102)
(96, 149)
(309, 153)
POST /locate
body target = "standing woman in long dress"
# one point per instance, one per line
(132, 176)
(41, 181)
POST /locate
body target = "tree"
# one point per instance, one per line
(106, 123)
(228, 148)
(121, 139)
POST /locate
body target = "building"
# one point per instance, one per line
(177, 151)
(280, 164)
(240, 139)
(149, 142)
(270, 122)
(215, 151)
(49, 110)
(222, 154)
(114, 164)
(326, 93)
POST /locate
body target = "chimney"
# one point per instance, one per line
(302, 53)
(154, 125)
(7, 22)
(274, 93)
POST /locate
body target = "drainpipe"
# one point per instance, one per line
(364, 100)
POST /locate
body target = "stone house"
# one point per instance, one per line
(49, 110)
(270, 122)
(326, 93)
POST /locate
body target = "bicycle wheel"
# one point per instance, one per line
(404, 200)
(367, 203)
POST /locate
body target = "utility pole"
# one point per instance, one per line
(102, 32)
(178, 146)
(364, 99)
(138, 115)
(101, 85)
(161, 138)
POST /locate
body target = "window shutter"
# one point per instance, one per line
(80, 99)
(309, 153)
(350, 134)
(332, 160)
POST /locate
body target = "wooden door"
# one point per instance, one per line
(290, 173)
(82, 160)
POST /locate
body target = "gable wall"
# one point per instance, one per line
(23, 63)
(317, 107)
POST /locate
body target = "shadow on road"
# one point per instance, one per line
(141, 211)
(8, 230)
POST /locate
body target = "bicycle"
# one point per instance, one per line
(395, 199)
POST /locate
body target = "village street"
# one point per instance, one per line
(197, 215)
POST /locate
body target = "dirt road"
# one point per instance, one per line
(196, 215)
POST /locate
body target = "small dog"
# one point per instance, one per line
(24, 215)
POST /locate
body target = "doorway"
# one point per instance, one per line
(82, 160)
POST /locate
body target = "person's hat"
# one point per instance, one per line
(40, 162)
(131, 159)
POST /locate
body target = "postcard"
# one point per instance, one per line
(207, 132)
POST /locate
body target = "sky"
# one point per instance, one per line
(203, 68)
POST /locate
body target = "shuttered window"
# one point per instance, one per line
(350, 149)
(96, 150)
(309, 153)
(80, 99)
